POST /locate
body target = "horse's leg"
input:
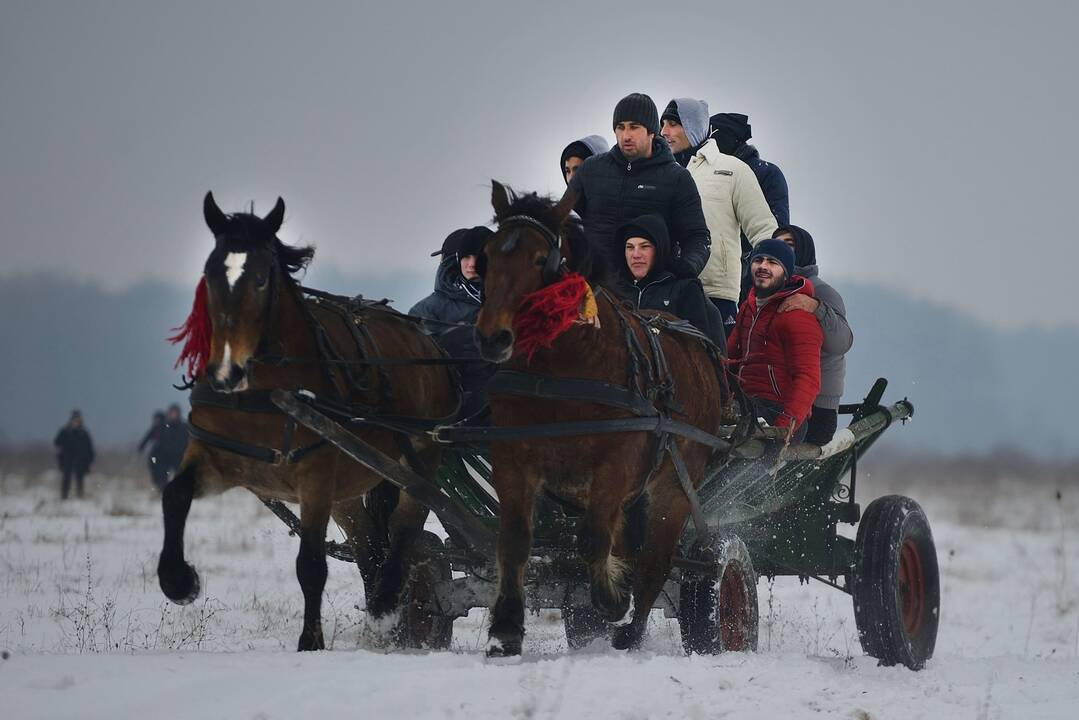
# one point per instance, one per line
(315, 504)
(596, 536)
(178, 580)
(517, 500)
(667, 512)
(405, 525)
(367, 540)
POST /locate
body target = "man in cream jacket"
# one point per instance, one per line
(731, 197)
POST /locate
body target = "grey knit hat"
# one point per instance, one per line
(638, 108)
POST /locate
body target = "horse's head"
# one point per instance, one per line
(524, 255)
(244, 275)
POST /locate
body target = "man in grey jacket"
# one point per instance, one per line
(827, 306)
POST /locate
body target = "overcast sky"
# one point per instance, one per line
(928, 146)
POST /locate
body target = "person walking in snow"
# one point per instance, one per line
(75, 454)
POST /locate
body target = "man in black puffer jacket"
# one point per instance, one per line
(640, 177)
(643, 281)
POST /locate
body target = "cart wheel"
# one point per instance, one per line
(583, 625)
(896, 583)
(720, 614)
(421, 626)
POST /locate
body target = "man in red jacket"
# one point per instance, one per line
(777, 354)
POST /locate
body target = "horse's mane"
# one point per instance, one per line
(583, 257)
(249, 230)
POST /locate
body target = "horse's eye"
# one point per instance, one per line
(260, 280)
(540, 262)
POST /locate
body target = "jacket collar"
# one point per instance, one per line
(797, 284)
(661, 153)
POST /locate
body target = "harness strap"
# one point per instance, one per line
(273, 456)
(514, 382)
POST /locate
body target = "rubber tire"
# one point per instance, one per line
(895, 583)
(583, 625)
(720, 614)
(418, 628)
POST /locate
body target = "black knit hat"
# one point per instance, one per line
(638, 108)
(778, 251)
(671, 113)
(464, 241)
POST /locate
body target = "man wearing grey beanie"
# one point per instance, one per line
(638, 176)
(731, 197)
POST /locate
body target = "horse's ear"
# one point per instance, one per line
(500, 198)
(565, 206)
(215, 219)
(276, 216)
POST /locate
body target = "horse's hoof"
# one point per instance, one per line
(504, 647)
(381, 630)
(611, 609)
(180, 584)
(311, 641)
(626, 637)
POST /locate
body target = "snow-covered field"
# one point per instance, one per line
(86, 633)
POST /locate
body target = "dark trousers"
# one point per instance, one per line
(728, 309)
(159, 474)
(822, 425)
(65, 488)
(770, 411)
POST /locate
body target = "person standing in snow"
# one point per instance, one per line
(75, 454)
(151, 438)
(777, 354)
(828, 307)
(733, 203)
(639, 177)
(578, 151)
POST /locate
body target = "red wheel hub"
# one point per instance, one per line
(911, 578)
(733, 609)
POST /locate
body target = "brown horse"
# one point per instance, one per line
(265, 335)
(605, 474)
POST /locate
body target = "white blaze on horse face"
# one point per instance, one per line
(234, 267)
(225, 367)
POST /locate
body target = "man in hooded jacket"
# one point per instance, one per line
(643, 280)
(450, 311)
(732, 132)
(777, 354)
(639, 177)
(827, 306)
(734, 206)
(578, 151)
(458, 293)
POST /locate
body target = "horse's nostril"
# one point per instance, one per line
(502, 339)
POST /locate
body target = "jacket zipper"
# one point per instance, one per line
(775, 385)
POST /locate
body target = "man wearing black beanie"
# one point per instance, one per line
(639, 176)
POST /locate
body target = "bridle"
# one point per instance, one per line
(554, 264)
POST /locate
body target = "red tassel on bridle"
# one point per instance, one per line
(195, 334)
(547, 313)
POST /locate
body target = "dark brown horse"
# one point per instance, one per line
(605, 474)
(264, 335)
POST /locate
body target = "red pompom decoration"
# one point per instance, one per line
(547, 313)
(195, 334)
